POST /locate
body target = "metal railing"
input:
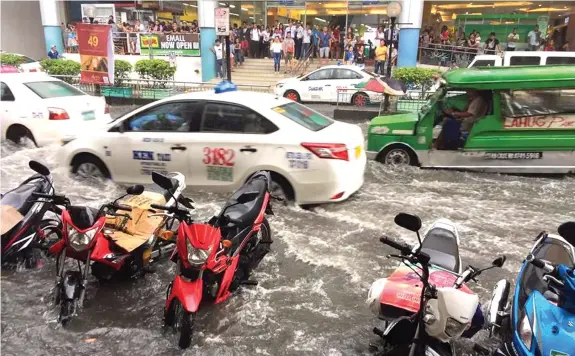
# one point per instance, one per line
(151, 89)
(447, 55)
(411, 102)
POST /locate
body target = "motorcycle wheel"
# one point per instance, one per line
(183, 323)
(264, 246)
(66, 311)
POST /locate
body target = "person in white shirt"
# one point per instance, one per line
(255, 35)
(139, 27)
(512, 39)
(534, 37)
(276, 49)
(218, 50)
(298, 40)
(265, 43)
(306, 44)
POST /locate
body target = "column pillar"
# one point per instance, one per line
(206, 19)
(411, 14)
(51, 23)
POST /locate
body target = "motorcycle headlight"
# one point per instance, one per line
(80, 240)
(454, 327)
(196, 256)
(525, 332)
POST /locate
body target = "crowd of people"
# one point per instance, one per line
(536, 41)
(296, 41)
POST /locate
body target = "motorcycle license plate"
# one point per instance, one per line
(88, 115)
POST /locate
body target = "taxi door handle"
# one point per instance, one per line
(248, 149)
(328, 85)
(178, 147)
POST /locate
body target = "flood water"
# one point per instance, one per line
(312, 286)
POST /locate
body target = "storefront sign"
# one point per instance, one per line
(222, 15)
(184, 44)
(96, 53)
(557, 121)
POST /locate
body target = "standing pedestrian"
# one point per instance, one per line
(349, 55)
(265, 43)
(255, 35)
(288, 48)
(217, 49)
(276, 49)
(338, 43)
(238, 55)
(380, 57)
(324, 44)
(534, 37)
(492, 45)
(512, 40)
(298, 40)
(360, 56)
(315, 41)
(306, 43)
(53, 54)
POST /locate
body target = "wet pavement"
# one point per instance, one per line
(312, 286)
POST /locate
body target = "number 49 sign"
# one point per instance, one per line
(222, 16)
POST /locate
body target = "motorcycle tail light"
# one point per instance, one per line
(80, 241)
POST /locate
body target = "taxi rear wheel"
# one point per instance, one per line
(17, 133)
(281, 188)
(292, 95)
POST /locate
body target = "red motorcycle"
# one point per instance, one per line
(215, 258)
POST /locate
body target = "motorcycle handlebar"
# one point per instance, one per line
(404, 248)
(42, 195)
(547, 267)
(122, 207)
(160, 207)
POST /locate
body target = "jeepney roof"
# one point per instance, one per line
(513, 77)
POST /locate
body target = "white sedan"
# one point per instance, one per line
(44, 109)
(330, 84)
(219, 139)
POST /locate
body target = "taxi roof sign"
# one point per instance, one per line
(225, 86)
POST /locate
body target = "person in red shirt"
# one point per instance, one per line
(550, 46)
(337, 42)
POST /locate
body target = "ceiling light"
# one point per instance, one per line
(223, 4)
(322, 20)
(244, 9)
(232, 6)
(231, 13)
(539, 5)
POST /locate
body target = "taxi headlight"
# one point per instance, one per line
(80, 240)
(454, 327)
(197, 256)
(280, 85)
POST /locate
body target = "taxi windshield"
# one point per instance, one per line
(306, 117)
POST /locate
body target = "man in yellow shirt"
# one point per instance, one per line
(380, 57)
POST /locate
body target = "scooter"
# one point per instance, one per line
(215, 258)
(426, 304)
(541, 318)
(22, 218)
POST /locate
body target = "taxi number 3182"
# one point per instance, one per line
(219, 156)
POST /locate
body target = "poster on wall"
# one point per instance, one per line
(222, 17)
(96, 53)
(182, 44)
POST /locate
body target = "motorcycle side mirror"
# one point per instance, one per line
(39, 168)
(162, 181)
(135, 189)
(567, 231)
(408, 221)
(499, 261)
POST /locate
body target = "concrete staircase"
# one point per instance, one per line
(260, 72)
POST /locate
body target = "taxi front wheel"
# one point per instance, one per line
(292, 95)
(88, 166)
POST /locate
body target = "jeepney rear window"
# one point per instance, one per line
(518, 103)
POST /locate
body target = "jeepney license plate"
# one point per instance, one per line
(513, 155)
(88, 115)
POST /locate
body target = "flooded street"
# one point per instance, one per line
(312, 286)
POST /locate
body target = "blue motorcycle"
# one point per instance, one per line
(541, 319)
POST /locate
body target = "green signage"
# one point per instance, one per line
(181, 44)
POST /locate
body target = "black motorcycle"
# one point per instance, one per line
(23, 227)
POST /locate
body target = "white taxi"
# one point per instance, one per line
(329, 84)
(45, 109)
(217, 140)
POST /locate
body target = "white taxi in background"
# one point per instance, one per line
(44, 109)
(217, 140)
(329, 84)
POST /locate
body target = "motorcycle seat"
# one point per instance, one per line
(441, 245)
(253, 193)
(21, 196)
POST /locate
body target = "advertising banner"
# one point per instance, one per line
(96, 53)
(222, 16)
(181, 44)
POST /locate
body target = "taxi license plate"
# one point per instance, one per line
(88, 115)
(357, 152)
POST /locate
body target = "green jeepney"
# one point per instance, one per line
(529, 126)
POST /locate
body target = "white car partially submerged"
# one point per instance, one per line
(330, 84)
(44, 109)
(219, 139)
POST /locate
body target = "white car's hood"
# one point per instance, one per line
(287, 81)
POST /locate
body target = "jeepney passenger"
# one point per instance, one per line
(457, 121)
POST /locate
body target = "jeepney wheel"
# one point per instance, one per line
(292, 95)
(360, 99)
(398, 156)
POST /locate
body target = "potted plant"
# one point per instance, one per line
(157, 72)
(67, 68)
(122, 71)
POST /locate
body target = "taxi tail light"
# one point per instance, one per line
(58, 114)
(106, 109)
(328, 150)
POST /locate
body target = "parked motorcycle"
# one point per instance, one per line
(22, 218)
(425, 304)
(541, 317)
(215, 258)
(110, 243)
